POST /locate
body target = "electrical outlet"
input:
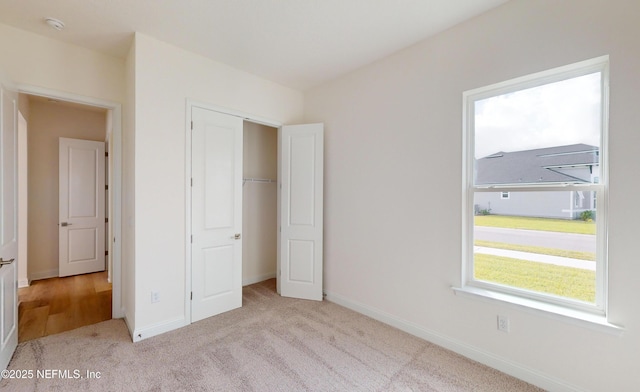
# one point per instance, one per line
(503, 323)
(155, 297)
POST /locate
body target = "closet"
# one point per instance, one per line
(236, 236)
(259, 203)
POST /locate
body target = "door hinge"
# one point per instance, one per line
(192, 238)
(106, 220)
(106, 153)
(106, 253)
(191, 181)
(106, 187)
(192, 125)
(192, 295)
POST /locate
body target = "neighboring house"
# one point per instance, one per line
(572, 164)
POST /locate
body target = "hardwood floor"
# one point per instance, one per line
(55, 305)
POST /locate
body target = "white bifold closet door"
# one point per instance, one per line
(300, 211)
(216, 215)
(216, 212)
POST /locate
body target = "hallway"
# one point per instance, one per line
(55, 305)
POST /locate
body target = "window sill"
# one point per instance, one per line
(572, 316)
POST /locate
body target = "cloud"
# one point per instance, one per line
(555, 114)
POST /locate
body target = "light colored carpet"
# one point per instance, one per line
(270, 344)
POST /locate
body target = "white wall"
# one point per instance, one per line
(34, 60)
(128, 191)
(393, 224)
(165, 77)
(259, 203)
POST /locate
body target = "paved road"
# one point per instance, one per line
(547, 239)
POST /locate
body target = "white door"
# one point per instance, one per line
(81, 230)
(300, 211)
(216, 213)
(8, 227)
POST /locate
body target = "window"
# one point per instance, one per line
(539, 140)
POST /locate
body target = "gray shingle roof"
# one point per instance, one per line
(535, 166)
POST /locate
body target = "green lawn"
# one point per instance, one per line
(544, 224)
(545, 278)
(566, 282)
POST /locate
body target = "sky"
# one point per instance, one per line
(555, 114)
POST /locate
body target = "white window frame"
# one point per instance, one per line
(512, 294)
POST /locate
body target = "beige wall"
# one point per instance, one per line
(47, 123)
(393, 188)
(259, 205)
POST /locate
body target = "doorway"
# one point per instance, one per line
(50, 122)
(111, 114)
(51, 305)
(259, 203)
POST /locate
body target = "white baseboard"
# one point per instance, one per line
(257, 279)
(23, 283)
(52, 273)
(157, 329)
(504, 365)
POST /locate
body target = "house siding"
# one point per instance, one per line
(532, 204)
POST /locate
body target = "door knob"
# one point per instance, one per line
(237, 236)
(65, 224)
(7, 262)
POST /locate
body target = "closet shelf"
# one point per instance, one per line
(262, 180)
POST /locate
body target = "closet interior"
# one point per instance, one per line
(259, 202)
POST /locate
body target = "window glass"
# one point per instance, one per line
(540, 135)
(533, 246)
(534, 174)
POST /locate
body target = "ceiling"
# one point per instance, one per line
(296, 43)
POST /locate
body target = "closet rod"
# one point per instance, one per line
(263, 180)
